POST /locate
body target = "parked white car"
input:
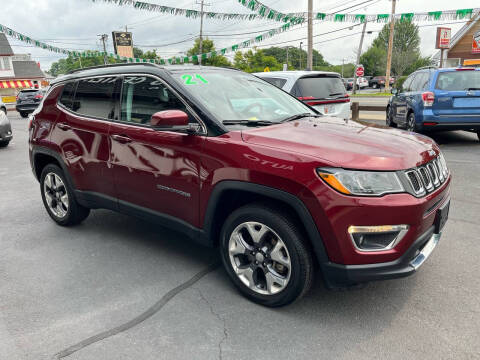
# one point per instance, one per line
(322, 90)
(362, 82)
(3, 107)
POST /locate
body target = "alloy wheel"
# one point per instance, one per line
(56, 195)
(259, 258)
(411, 122)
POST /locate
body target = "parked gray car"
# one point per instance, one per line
(3, 107)
(5, 130)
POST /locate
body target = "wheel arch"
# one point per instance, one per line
(229, 195)
(42, 156)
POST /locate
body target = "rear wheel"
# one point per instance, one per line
(58, 198)
(4, 143)
(478, 134)
(265, 255)
(411, 123)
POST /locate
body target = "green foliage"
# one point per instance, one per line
(251, 61)
(151, 54)
(208, 46)
(63, 66)
(399, 82)
(296, 59)
(374, 61)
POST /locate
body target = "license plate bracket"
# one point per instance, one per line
(441, 217)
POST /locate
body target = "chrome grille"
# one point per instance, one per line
(426, 178)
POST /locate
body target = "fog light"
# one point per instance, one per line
(377, 238)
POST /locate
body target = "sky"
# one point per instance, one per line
(76, 24)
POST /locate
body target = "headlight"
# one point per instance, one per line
(363, 183)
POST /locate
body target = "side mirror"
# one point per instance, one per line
(169, 118)
(394, 91)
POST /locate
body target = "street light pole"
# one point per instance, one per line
(390, 48)
(310, 36)
(358, 58)
(104, 38)
(201, 32)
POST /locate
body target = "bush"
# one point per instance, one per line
(399, 83)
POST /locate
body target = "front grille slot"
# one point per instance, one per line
(426, 178)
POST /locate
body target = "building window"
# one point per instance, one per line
(5, 63)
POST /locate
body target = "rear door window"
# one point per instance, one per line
(458, 80)
(420, 82)
(319, 87)
(67, 95)
(96, 97)
(407, 84)
(275, 81)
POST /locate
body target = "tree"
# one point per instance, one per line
(294, 57)
(63, 66)
(255, 61)
(406, 45)
(208, 46)
(374, 61)
(139, 54)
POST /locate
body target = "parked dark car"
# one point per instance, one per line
(437, 99)
(379, 82)
(236, 163)
(349, 84)
(28, 101)
(5, 130)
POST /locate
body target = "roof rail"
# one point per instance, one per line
(428, 67)
(108, 66)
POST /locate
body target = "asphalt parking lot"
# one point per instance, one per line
(109, 288)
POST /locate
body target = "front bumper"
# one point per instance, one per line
(338, 275)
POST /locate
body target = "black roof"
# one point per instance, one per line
(113, 69)
(5, 48)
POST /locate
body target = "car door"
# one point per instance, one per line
(399, 101)
(155, 171)
(81, 130)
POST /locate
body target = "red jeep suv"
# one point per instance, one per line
(234, 162)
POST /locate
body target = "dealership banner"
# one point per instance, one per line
(123, 43)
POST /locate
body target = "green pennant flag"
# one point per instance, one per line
(321, 16)
(271, 14)
(382, 17)
(223, 51)
(185, 59)
(234, 47)
(204, 56)
(435, 14)
(339, 17)
(251, 5)
(262, 10)
(463, 13)
(360, 17)
(259, 38)
(406, 17)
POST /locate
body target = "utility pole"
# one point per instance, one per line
(390, 48)
(310, 36)
(104, 38)
(300, 65)
(343, 63)
(358, 58)
(202, 4)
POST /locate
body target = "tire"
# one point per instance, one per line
(4, 110)
(390, 121)
(411, 124)
(24, 114)
(478, 134)
(61, 204)
(284, 272)
(4, 143)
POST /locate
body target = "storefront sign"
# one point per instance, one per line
(476, 43)
(443, 38)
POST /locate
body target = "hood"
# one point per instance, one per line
(347, 144)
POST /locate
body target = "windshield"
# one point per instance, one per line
(233, 95)
(458, 80)
(320, 87)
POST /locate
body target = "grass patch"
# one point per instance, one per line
(382, 94)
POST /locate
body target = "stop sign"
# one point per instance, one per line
(360, 71)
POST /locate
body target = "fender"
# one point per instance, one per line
(37, 149)
(280, 195)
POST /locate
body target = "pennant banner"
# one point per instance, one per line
(272, 14)
(189, 13)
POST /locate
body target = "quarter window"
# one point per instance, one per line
(407, 84)
(275, 81)
(96, 97)
(143, 96)
(67, 95)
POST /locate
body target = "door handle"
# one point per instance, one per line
(122, 139)
(64, 126)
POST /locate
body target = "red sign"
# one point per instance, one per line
(476, 43)
(443, 38)
(360, 70)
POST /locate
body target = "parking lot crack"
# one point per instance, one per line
(220, 318)
(140, 318)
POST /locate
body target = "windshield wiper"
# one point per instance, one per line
(299, 116)
(335, 94)
(248, 122)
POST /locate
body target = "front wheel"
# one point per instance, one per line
(265, 255)
(390, 121)
(59, 199)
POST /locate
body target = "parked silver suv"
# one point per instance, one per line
(322, 90)
(5, 129)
